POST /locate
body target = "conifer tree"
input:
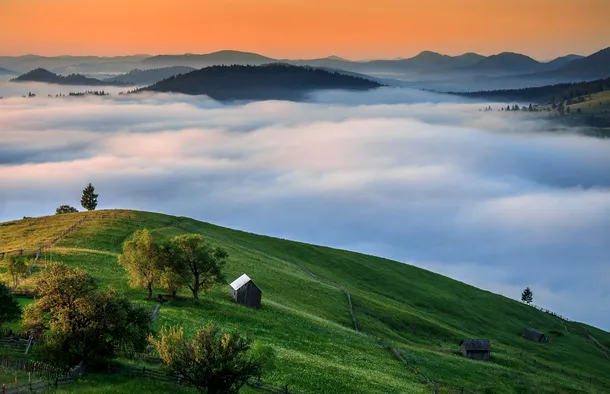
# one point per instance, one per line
(527, 296)
(89, 198)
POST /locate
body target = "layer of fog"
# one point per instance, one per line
(488, 198)
(20, 89)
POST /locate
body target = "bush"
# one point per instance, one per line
(214, 362)
(81, 323)
(65, 209)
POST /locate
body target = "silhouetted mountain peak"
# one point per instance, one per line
(429, 55)
(38, 75)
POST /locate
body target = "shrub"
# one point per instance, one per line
(214, 362)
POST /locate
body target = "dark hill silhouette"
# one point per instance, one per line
(272, 81)
(543, 94)
(148, 77)
(592, 67)
(215, 58)
(42, 75)
(595, 65)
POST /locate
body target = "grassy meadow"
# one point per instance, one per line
(306, 318)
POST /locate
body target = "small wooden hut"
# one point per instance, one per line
(477, 349)
(246, 292)
(534, 335)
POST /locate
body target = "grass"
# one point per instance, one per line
(305, 315)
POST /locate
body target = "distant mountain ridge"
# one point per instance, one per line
(148, 77)
(427, 70)
(5, 71)
(226, 57)
(267, 82)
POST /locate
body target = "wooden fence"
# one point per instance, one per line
(13, 346)
(38, 252)
(36, 386)
(152, 374)
(41, 376)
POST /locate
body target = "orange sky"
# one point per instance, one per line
(354, 29)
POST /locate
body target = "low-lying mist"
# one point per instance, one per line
(489, 198)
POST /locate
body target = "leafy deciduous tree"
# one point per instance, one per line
(82, 323)
(16, 268)
(141, 260)
(171, 281)
(89, 198)
(214, 362)
(198, 264)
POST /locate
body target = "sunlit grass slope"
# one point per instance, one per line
(306, 317)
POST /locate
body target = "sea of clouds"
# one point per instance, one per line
(489, 198)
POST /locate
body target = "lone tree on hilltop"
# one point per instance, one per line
(198, 264)
(527, 296)
(214, 362)
(142, 261)
(65, 209)
(89, 198)
(9, 308)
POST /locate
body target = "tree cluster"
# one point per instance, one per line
(544, 94)
(183, 261)
(79, 323)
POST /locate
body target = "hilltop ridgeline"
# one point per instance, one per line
(46, 76)
(272, 81)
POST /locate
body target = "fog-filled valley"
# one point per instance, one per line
(494, 199)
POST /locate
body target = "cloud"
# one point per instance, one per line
(490, 198)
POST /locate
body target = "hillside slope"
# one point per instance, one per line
(306, 315)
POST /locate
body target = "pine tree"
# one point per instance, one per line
(89, 198)
(527, 296)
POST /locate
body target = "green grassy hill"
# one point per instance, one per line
(306, 315)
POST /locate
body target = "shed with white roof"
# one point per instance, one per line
(246, 292)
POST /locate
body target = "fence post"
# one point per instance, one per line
(287, 392)
(3, 389)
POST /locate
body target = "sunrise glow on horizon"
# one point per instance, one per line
(304, 29)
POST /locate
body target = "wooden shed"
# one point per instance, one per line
(478, 349)
(246, 292)
(534, 335)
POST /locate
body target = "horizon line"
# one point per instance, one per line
(285, 58)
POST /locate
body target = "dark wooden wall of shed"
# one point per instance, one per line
(248, 295)
(476, 355)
